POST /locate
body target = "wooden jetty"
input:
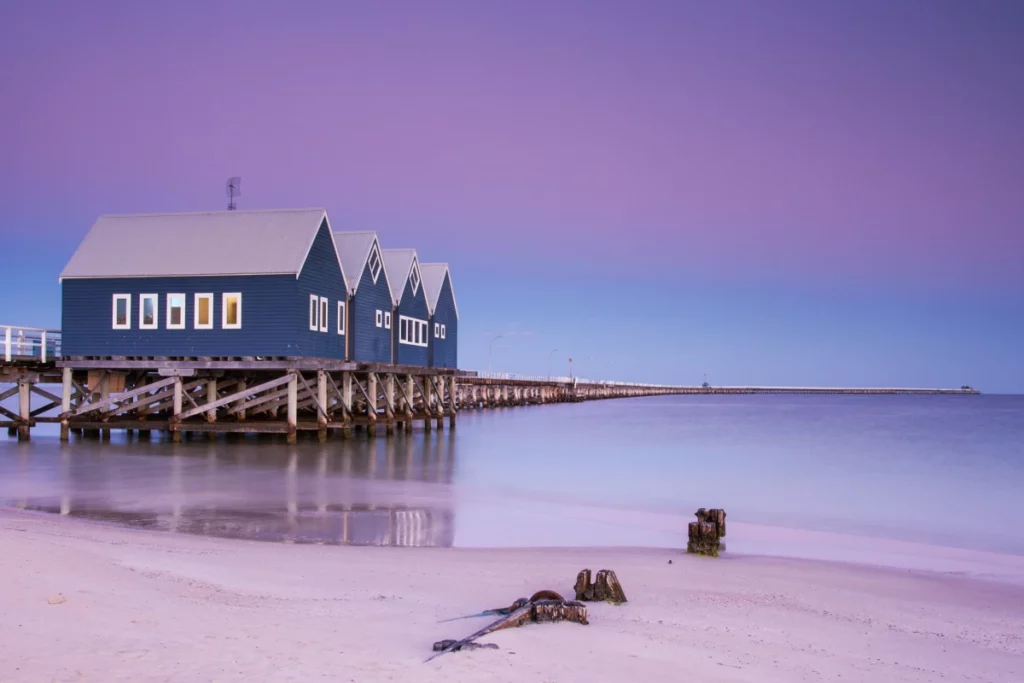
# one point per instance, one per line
(281, 395)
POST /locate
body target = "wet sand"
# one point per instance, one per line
(144, 605)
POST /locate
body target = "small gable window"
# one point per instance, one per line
(442, 332)
(204, 312)
(122, 312)
(387, 320)
(147, 311)
(414, 278)
(175, 311)
(379, 320)
(374, 262)
(314, 312)
(323, 314)
(232, 313)
(341, 317)
(437, 330)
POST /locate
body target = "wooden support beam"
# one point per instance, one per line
(371, 402)
(24, 409)
(65, 404)
(176, 410)
(233, 398)
(293, 416)
(109, 401)
(10, 392)
(45, 394)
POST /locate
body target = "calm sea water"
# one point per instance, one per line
(945, 470)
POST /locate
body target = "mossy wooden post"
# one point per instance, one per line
(705, 534)
(211, 415)
(346, 403)
(371, 403)
(410, 387)
(65, 404)
(321, 413)
(453, 393)
(176, 411)
(428, 404)
(24, 408)
(293, 408)
(389, 403)
(104, 394)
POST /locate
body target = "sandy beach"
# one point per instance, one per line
(90, 602)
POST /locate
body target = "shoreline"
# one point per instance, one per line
(150, 605)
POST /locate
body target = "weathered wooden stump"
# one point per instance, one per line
(605, 588)
(547, 611)
(454, 646)
(706, 533)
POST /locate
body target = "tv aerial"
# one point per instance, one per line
(234, 189)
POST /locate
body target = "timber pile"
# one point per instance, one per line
(707, 532)
(605, 588)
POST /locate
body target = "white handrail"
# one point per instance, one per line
(30, 342)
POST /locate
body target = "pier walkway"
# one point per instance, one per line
(280, 395)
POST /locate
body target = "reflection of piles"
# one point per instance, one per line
(348, 525)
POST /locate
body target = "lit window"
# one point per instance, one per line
(412, 331)
(341, 317)
(231, 315)
(314, 312)
(387, 320)
(147, 311)
(437, 330)
(323, 314)
(175, 311)
(122, 319)
(374, 262)
(204, 312)
(442, 332)
(414, 278)
(380, 318)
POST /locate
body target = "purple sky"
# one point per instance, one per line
(851, 170)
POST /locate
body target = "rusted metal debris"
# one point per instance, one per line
(604, 588)
(540, 611)
(706, 533)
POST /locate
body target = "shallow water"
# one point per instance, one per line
(944, 470)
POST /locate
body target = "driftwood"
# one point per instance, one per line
(456, 646)
(542, 611)
(502, 611)
(706, 533)
(605, 587)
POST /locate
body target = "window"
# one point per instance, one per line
(374, 262)
(203, 312)
(314, 312)
(122, 312)
(437, 330)
(387, 320)
(147, 311)
(380, 318)
(231, 314)
(414, 278)
(175, 311)
(341, 317)
(412, 331)
(323, 314)
(442, 332)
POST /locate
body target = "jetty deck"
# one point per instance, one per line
(283, 395)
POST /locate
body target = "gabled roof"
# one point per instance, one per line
(267, 242)
(400, 264)
(354, 249)
(433, 280)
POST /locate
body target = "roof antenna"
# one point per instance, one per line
(234, 190)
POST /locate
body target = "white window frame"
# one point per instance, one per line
(127, 298)
(184, 309)
(314, 313)
(437, 330)
(143, 298)
(415, 278)
(195, 313)
(324, 303)
(442, 331)
(379, 318)
(341, 317)
(387, 320)
(413, 328)
(375, 262)
(224, 311)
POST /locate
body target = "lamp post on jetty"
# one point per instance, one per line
(490, 351)
(549, 362)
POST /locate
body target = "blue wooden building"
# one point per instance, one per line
(369, 296)
(411, 318)
(444, 315)
(219, 284)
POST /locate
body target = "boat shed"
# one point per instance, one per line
(444, 315)
(226, 284)
(411, 318)
(369, 296)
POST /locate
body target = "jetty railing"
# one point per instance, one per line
(29, 343)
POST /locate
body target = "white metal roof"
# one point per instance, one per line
(399, 263)
(203, 243)
(433, 279)
(354, 250)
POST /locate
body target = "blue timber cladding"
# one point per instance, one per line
(413, 305)
(370, 344)
(321, 275)
(269, 317)
(274, 313)
(445, 352)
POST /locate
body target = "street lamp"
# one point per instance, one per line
(490, 350)
(549, 362)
